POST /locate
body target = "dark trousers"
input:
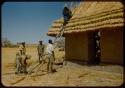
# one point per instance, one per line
(40, 57)
(66, 19)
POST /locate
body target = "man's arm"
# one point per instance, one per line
(53, 55)
(43, 49)
(38, 49)
(20, 60)
(20, 52)
(53, 52)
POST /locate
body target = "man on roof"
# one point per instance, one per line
(67, 14)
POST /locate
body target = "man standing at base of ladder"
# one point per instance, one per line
(50, 56)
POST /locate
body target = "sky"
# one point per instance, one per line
(29, 21)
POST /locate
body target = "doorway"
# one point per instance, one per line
(94, 51)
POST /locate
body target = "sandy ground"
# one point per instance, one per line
(71, 74)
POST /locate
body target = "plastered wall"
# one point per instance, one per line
(76, 46)
(112, 46)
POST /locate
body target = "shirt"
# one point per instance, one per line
(49, 48)
(40, 49)
(22, 49)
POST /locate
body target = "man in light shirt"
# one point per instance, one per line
(50, 56)
(22, 49)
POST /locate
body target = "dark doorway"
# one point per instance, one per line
(98, 50)
(93, 48)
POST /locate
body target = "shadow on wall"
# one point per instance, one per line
(85, 63)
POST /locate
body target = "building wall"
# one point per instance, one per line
(76, 46)
(112, 46)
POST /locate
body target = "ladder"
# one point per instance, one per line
(60, 34)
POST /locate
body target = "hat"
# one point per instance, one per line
(65, 4)
(40, 41)
(23, 42)
(50, 41)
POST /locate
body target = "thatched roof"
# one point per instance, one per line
(90, 16)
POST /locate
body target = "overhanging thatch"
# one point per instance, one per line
(92, 15)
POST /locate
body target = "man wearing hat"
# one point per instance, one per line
(21, 52)
(40, 50)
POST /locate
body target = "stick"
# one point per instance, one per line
(18, 81)
(34, 67)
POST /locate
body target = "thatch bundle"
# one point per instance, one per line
(92, 15)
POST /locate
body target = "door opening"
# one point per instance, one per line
(94, 51)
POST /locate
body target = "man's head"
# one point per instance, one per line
(28, 56)
(40, 42)
(66, 8)
(50, 41)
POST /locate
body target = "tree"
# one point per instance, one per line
(6, 42)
